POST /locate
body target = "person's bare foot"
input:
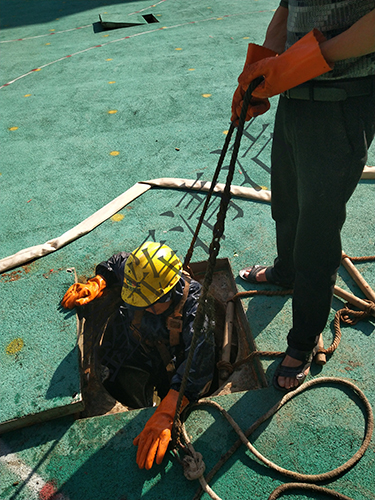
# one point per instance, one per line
(290, 382)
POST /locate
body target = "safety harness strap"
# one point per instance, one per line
(173, 323)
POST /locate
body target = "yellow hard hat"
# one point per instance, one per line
(151, 270)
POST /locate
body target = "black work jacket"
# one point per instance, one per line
(153, 328)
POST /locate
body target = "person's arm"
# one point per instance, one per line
(112, 270)
(108, 273)
(356, 41)
(276, 31)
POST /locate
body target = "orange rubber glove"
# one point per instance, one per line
(300, 63)
(256, 107)
(80, 294)
(154, 439)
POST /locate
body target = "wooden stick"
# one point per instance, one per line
(227, 338)
(358, 278)
(320, 358)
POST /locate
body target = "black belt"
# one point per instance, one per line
(332, 91)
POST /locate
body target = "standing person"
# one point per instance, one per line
(151, 330)
(320, 56)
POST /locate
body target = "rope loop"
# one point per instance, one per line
(296, 476)
(350, 317)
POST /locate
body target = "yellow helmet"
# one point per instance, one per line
(151, 270)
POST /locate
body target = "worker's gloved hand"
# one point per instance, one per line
(154, 439)
(80, 294)
(300, 63)
(256, 107)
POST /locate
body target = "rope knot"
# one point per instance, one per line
(225, 366)
(194, 466)
(370, 309)
(351, 317)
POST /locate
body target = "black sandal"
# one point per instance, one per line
(253, 271)
(297, 372)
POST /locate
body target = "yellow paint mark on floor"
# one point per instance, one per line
(117, 217)
(114, 153)
(225, 132)
(206, 95)
(191, 69)
(27, 95)
(178, 48)
(112, 111)
(14, 346)
(111, 82)
(109, 59)
(13, 128)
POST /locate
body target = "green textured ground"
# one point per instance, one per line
(157, 96)
(39, 355)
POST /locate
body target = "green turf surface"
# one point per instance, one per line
(39, 356)
(95, 459)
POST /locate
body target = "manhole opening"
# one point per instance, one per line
(150, 18)
(106, 25)
(133, 387)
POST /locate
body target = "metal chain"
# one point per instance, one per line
(214, 248)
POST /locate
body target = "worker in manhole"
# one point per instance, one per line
(147, 340)
(320, 56)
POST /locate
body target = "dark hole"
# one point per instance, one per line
(108, 25)
(150, 18)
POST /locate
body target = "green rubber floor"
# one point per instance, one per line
(39, 355)
(86, 114)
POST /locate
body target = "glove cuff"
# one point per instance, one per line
(313, 59)
(170, 401)
(99, 280)
(257, 52)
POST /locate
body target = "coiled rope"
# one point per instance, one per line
(296, 476)
(310, 487)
